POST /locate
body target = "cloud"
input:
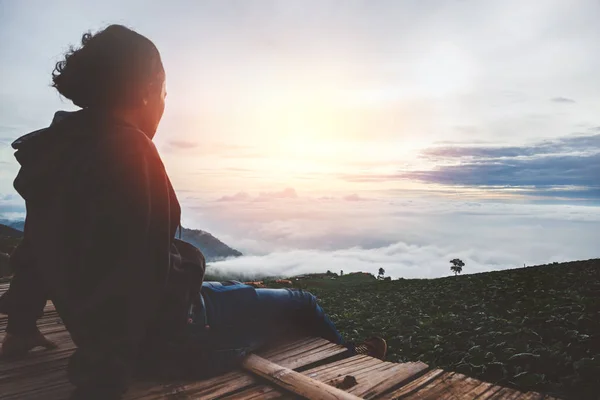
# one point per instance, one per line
(408, 238)
(592, 194)
(354, 197)
(564, 100)
(398, 260)
(11, 198)
(183, 144)
(224, 150)
(566, 144)
(566, 167)
(11, 216)
(11, 204)
(287, 193)
(540, 172)
(467, 129)
(240, 196)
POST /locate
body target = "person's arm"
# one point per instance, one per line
(124, 266)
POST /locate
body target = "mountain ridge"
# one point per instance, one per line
(212, 248)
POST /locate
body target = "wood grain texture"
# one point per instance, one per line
(325, 373)
(293, 381)
(373, 377)
(441, 385)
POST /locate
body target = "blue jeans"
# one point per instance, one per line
(246, 316)
(238, 319)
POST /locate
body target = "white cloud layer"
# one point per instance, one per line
(407, 237)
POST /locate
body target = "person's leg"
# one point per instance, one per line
(219, 331)
(245, 316)
(301, 310)
(296, 309)
(241, 319)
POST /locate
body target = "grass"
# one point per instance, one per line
(535, 328)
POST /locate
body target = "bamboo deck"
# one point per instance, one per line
(42, 374)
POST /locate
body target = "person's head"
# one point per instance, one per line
(117, 70)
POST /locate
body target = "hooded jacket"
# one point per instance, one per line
(99, 242)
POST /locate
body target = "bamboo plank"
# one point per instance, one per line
(374, 385)
(511, 394)
(453, 386)
(206, 389)
(4, 287)
(340, 363)
(343, 367)
(414, 386)
(290, 345)
(442, 385)
(327, 372)
(261, 392)
(361, 372)
(28, 386)
(294, 381)
(373, 377)
(302, 351)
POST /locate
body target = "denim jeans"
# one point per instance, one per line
(238, 319)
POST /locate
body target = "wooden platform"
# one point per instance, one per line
(42, 374)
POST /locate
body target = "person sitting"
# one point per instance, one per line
(100, 239)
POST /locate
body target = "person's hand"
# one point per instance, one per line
(17, 346)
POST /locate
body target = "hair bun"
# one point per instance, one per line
(109, 68)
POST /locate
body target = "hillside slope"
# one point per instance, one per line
(212, 248)
(535, 328)
(10, 231)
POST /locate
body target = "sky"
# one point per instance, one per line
(310, 134)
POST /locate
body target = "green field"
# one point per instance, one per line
(535, 328)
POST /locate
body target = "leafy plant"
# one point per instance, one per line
(534, 328)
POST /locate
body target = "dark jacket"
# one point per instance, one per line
(99, 242)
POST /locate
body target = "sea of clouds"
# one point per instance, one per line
(285, 234)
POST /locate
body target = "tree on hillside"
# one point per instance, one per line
(457, 265)
(381, 273)
(342, 273)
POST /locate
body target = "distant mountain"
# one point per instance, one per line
(212, 248)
